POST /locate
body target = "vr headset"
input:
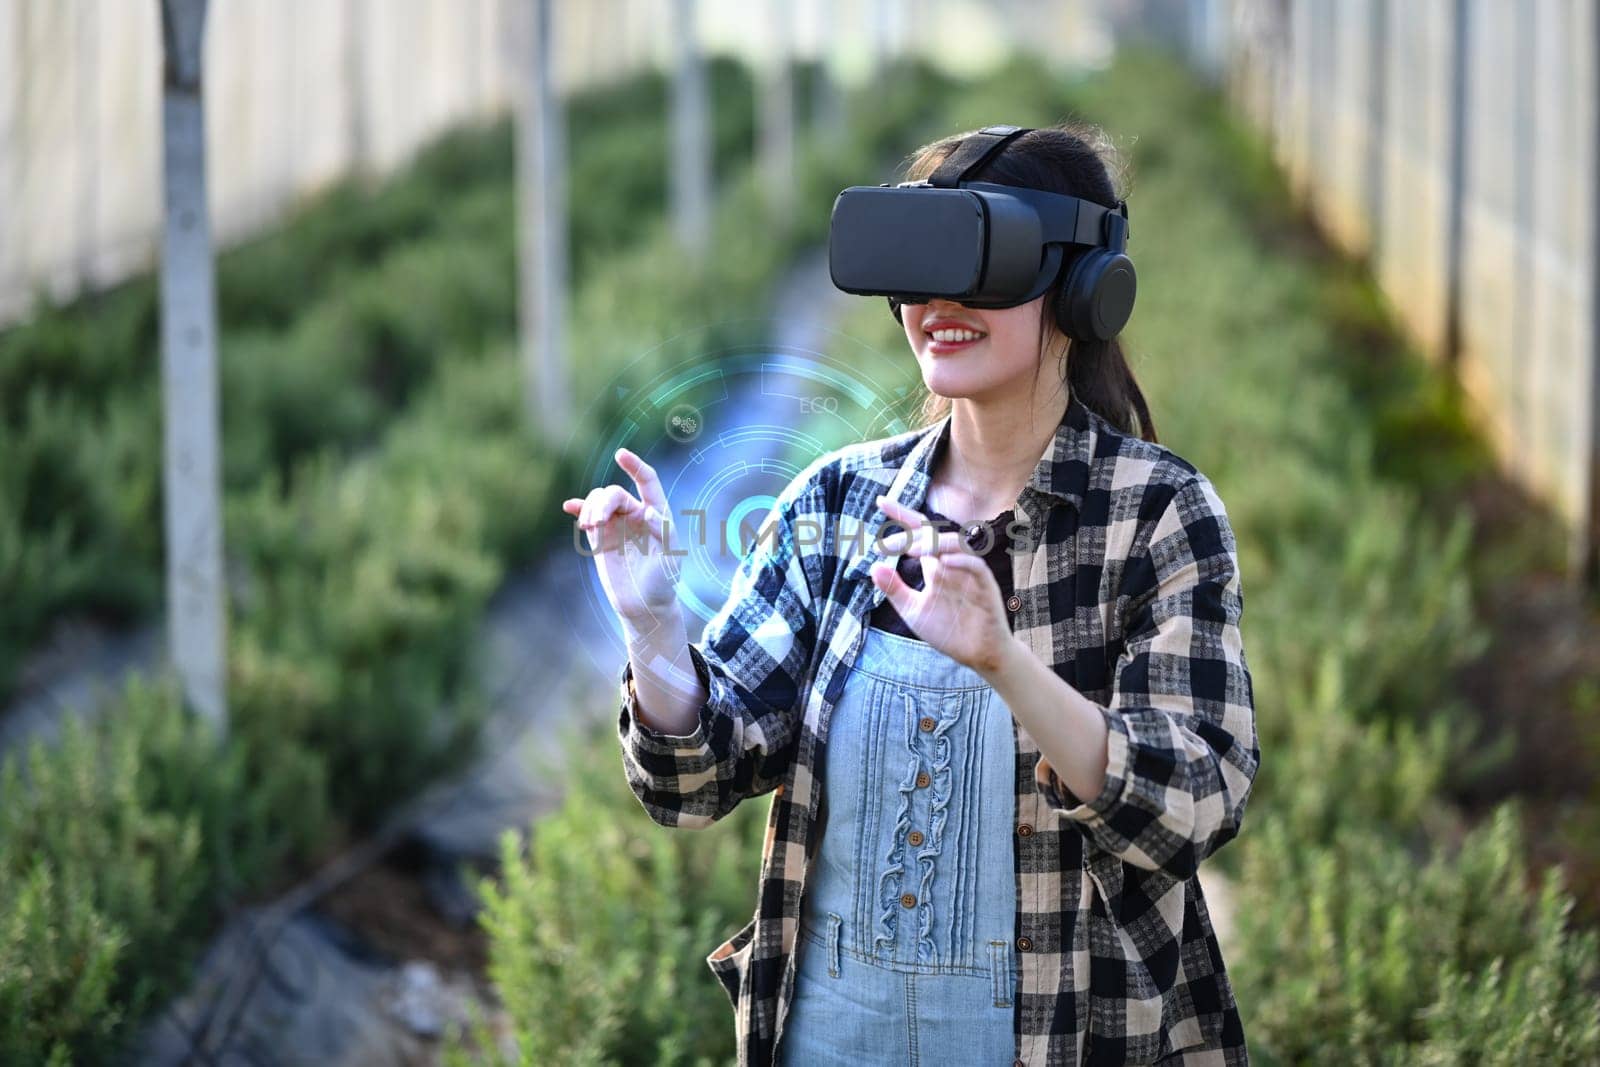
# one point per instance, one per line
(984, 244)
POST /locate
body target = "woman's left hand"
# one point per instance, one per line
(958, 610)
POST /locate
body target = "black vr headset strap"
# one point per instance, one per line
(972, 153)
(1070, 218)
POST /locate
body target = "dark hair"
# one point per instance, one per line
(1075, 158)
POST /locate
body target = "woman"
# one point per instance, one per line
(934, 885)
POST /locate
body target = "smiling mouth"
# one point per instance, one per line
(952, 340)
(956, 333)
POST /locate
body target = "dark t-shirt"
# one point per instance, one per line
(885, 617)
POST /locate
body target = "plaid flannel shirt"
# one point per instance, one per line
(1130, 591)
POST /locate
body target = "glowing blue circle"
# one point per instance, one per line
(761, 504)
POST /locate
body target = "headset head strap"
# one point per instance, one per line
(972, 153)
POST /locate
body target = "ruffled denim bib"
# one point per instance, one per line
(907, 919)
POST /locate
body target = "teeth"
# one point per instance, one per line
(956, 335)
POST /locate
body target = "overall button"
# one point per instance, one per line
(923, 779)
(1014, 602)
(1026, 830)
(908, 900)
(1025, 944)
(915, 837)
(927, 724)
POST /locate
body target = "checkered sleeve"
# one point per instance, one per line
(752, 659)
(1182, 746)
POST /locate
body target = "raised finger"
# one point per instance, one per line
(644, 476)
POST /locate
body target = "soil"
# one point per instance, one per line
(387, 905)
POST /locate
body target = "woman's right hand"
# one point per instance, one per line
(628, 535)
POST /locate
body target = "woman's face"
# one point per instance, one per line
(995, 365)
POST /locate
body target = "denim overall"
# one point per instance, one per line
(905, 951)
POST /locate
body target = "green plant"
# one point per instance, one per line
(117, 846)
(599, 931)
(1359, 954)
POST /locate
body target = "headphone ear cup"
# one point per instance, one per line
(1070, 278)
(1096, 296)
